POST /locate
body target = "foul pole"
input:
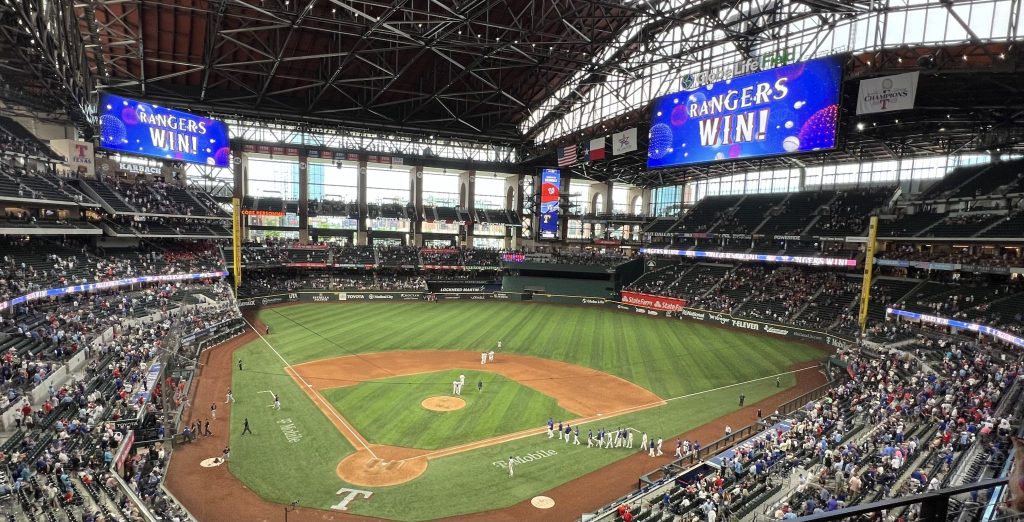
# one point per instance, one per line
(869, 264)
(236, 240)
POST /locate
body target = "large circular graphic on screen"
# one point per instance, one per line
(112, 131)
(661, 141)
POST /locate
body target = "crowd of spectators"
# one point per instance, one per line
(262, 283)
(11, 144)
(60, 452)
(1001, 257)
(31, 264)
(899, 425)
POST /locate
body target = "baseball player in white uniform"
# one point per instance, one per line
(455, 387)
(629, 438)
(490, 356)
(510, 462)
(643, 442)
(483, 357)
(660, 453)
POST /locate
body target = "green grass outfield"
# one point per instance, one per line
(370, 407)
(685, 363)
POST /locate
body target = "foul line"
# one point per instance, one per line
(318, 397)
(587, 420)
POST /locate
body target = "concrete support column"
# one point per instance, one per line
(303, 197)
(467, 200)
(513, 201)
(608, 203)
(416, 184)
(361, 236)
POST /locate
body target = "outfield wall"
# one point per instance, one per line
(695, 314)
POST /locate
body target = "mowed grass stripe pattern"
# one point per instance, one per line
(388, 411)
(670, 358)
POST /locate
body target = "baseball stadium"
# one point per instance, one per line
(511, 260)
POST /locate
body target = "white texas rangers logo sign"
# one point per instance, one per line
(350, 495)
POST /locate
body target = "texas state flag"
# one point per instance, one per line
(597, 149)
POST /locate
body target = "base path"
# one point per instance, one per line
(232, 500)
(590, 393)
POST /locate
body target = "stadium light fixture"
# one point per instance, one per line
(860, 126)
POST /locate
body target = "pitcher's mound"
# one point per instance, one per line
(443, 403)
(363, 469)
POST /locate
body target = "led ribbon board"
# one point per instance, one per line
(144, 129)
(953, 323)
(786, 110)
(106, 285)
(764, 258)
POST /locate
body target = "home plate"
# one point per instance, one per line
(212, 463)
(542, 502)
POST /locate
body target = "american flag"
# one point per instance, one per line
(566, 155)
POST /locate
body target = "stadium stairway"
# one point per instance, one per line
(796, 315)
(817, 215)
(108, 199)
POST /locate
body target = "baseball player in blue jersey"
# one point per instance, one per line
(590, 438)
(560, 430)
(551, 428)
(576, 437)
(568, 431)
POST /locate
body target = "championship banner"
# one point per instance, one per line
(144, 129)
(657, 302)
(887, 94)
